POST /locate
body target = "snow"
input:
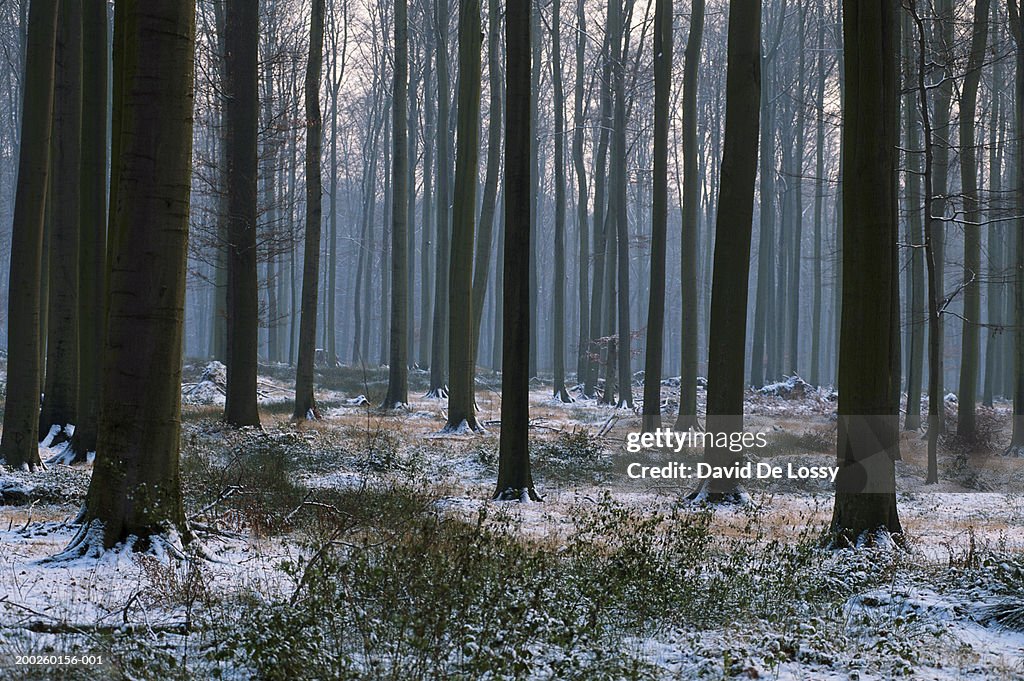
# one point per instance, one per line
(929, 619)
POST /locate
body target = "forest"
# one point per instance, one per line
(512, 339)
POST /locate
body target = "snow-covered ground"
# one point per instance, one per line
(363, 484)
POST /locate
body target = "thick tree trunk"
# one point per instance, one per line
(732, 242)
(514, 479)
(868, 405)
(241, 41)
(60, 394)
(398, 367)
(19, 444)
(305, 404)
(92, 246)
(461, 341)
(135, 493)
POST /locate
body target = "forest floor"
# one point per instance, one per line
(365, 545)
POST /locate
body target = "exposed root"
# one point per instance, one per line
(1016, 451)
(522, 495)
(1007, 614)
(464, 427)
(437, 393)
(837, 539)
(737, 496)
(89, 544)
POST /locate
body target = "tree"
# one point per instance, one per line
(19, 443)
(618, 200)
(461, 353)
(971, 343)
(515, 481)
(489, 200)
(241, 41)
(732, 238)
(579, 167)
(93, 222)
(439, 346)
(398, 371)
(868, 356)
(688, 246)
(1016, 447)
(305, 403)
(60, 394)
(558, 304)
(659, 215)
(135, 493)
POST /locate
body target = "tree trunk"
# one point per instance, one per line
(426, 227)
(579, 166)
(481, 270)
(92, 246)
(19, 444)
(398, 368)
(558, 310)
(618, 160)
(514, 479)
(732, 242)
(241, 42)
(461, 341)
(439, 347)
(819, 199)
(994, 288)
(598, 283)
(688, 240)
(868, 406)
(1017, 438)
(305, 404)
(917, 318)
(135, 492)
(60, 394)
(971, 339)
(659, 215)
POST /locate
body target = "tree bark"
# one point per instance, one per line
(439, 348)
(732, 242)
(687, 417)
(60, 394)
(305, 404)
(398, 370)
(558, 309)
(515, 481)
(865, 502)
(659, 215)
(19, 443)
(971, 337)
(135, 492)
(461, 341)
(92, 245)
(241, 41)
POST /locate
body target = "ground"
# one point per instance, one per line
(366, 546)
